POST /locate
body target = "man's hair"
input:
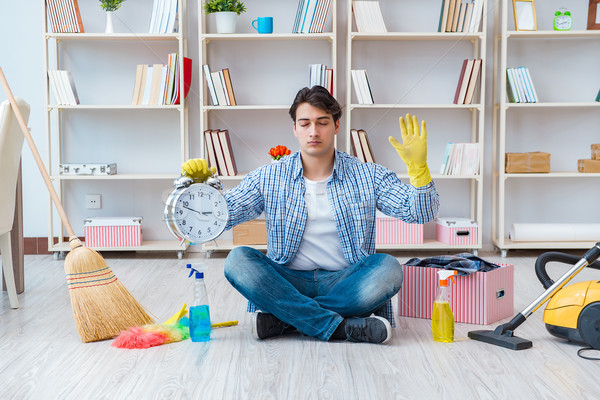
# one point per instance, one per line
(319, 97)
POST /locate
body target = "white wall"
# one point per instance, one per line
(147, 140)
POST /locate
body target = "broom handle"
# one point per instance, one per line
(36, 155)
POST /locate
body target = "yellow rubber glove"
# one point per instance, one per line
(197, 169)
(413, 150)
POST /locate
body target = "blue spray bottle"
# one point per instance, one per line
(199, 314)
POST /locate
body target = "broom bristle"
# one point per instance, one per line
(102, 306)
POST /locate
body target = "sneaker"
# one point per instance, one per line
(265, 326)
(370, 330)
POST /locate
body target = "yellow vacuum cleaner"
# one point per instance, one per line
(573, 312)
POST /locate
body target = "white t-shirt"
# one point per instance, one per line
(320, 247)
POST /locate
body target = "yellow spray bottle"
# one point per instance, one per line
(442, 319)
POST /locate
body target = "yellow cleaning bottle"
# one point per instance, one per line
(442, 318)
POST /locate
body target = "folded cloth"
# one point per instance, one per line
(464, 263)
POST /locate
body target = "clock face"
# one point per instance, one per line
(197, 213)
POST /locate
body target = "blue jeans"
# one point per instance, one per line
(314, 302)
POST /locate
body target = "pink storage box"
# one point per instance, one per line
(393, 231)
(479, 298)
(113, 232)
(456, 231)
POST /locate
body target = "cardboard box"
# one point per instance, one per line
(456, 231)
(479, 298)
(393, 231)
(595, 151)
(588, 165)
(113, 232)
(251, 232)
(533, 162)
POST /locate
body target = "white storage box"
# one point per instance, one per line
(113, 232)
(456, 231)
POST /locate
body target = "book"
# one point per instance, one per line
(308, 16)
(368, 17)
(229, 87)
(172, 65)
(54, 88)
(357, 86)
(456, 15)
(64, 16)
(367, 87)
(147, 85)
(297, 20)
(210, 151)
(155, 84)
(445, 158)
(210, 84)
(443, 16)
(71, 83)
(465, 82)
(460, 79)
(356, 145)
(222, 166)
(219, 89)
(468, 16)
(598, 96)
(187, 79)
(222, 78)
(137, 83)
(78, 19)
(366, 146)
(461, 15)
(473, 79)
(476, 16)
(532, 87)
(164, 16)
(451, 8)
(511, 88)
(225, 142)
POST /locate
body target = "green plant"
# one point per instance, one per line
(111, 5)
(212, 6)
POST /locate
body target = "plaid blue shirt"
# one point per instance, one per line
(355, 192)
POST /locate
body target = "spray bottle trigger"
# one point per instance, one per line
(452, 279)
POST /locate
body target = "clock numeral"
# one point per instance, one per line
(183, 222)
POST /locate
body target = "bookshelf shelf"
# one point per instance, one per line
(510, 200)
(479, 107)
(117, 177)
(144, 37)
(429, 36)
(65, 137)
(438, 46)
(272, 36)
(248, 107)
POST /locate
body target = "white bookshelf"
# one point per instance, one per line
(54, 54)
(475, 44)
(511, 45)
(212, 117)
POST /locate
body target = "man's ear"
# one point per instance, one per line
(337, 126)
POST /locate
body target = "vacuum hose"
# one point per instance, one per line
(545, 258)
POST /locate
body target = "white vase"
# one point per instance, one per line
(109, 22)
(226, 21)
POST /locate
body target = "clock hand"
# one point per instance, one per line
(206, 212)
(191, 209)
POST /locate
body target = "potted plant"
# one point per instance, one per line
(110, 6)
(225, 12)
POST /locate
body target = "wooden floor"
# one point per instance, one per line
(41, 356)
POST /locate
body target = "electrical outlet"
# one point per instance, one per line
(93, 201)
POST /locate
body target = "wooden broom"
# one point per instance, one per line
(102, 306)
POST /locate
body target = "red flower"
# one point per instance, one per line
(279, 151)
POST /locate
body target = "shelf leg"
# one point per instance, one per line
(179, 255)
(503, 253)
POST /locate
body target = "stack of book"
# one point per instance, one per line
(467, 81)
(461, 159)
(311, 16)
(368, 17)
(220, 87)
(158, 84)
(361, 86)
(460, 16)
(219, 151)
(64, 16)
(164, 16)
(519, 86)
(63, 87)
(361, 145)
(319, 74)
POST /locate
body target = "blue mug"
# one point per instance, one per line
(265, 24)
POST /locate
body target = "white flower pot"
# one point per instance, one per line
(226, 21)
(109, 22)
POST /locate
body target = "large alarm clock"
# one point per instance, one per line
(562, 20)
(196, 212)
